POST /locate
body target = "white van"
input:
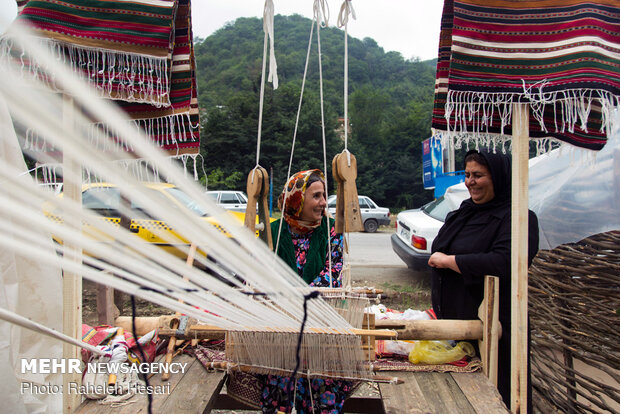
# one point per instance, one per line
(230, 199)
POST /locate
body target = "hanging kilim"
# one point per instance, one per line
(138, 53)
(562, 57)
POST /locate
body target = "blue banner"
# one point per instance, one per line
(432, 161)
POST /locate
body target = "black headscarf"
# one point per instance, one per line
(500, 169)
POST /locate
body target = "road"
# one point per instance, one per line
(373, 262)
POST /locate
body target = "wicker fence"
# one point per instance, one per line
(574, 306)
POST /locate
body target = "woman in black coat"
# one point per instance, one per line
(475, 241)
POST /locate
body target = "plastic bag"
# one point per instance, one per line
(439, 352)
(392, 349)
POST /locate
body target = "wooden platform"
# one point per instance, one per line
(200, 391)
(438, 392)
(195, 391)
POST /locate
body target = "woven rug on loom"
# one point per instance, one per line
(240, 386)
(139, 53)
(562, 57)
(389, 364)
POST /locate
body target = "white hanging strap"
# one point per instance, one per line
(273, 68)
(321, 15)
(268, 28)
(345, 10)
(321, 12)
(301, 97)
(343, 19)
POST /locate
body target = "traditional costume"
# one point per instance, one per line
(305, 250)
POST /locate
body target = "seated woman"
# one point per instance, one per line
(302, 239)
(475, 241)
(303, 244)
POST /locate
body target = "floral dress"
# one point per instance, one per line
(301, 244)
(327, 396)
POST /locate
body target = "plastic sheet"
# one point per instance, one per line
(576, 192)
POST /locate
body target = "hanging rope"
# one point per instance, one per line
(301, 97)
(268, 12)
(343, 19)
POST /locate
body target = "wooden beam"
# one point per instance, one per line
(489, 315)
(440, 329)
(71, 282)
(106, 309)
(519, 348)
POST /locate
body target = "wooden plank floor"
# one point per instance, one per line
(435, 392)
(195, 391)
(198, 391)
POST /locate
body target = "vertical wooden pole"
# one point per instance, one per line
(488, 312)
(72, 282)
(520, 152)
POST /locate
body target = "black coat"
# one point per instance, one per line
(480, 238)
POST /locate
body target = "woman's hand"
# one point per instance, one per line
(443, 261)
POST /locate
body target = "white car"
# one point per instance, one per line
(416, 229)
(373, 216)
(230, 200)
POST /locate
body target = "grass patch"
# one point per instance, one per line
(399, 297)
(417, 288)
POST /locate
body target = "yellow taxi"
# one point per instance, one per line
(105, 199)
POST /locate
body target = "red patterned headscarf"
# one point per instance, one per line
(294, 191)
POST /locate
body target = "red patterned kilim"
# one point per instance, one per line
(560, 56)
(139, 53)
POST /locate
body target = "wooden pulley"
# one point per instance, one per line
(258, 191)
(344, 166)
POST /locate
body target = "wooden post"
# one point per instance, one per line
(71, 282)
(489, 315)
(107, 312)
(519, 339)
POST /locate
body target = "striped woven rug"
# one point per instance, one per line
(560, 56)
(138, 53)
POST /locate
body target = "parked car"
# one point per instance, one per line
(416, 229)
(105, 200)
(373, 216)
(230, 200)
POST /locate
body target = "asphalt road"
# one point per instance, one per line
(373, 262)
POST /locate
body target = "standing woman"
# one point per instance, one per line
(302, 242)
(475, 241)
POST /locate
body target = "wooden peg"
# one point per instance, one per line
(254, 188)
(347, 169)
(258, 191)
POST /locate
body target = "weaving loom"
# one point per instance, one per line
(246, 290)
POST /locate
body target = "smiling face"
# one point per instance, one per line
(314, 202)
(479, 182)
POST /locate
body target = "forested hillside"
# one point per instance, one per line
(390, 105)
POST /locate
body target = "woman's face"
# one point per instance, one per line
(314, 202)
(479, 183)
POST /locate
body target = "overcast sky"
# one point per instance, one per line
(410, 27)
